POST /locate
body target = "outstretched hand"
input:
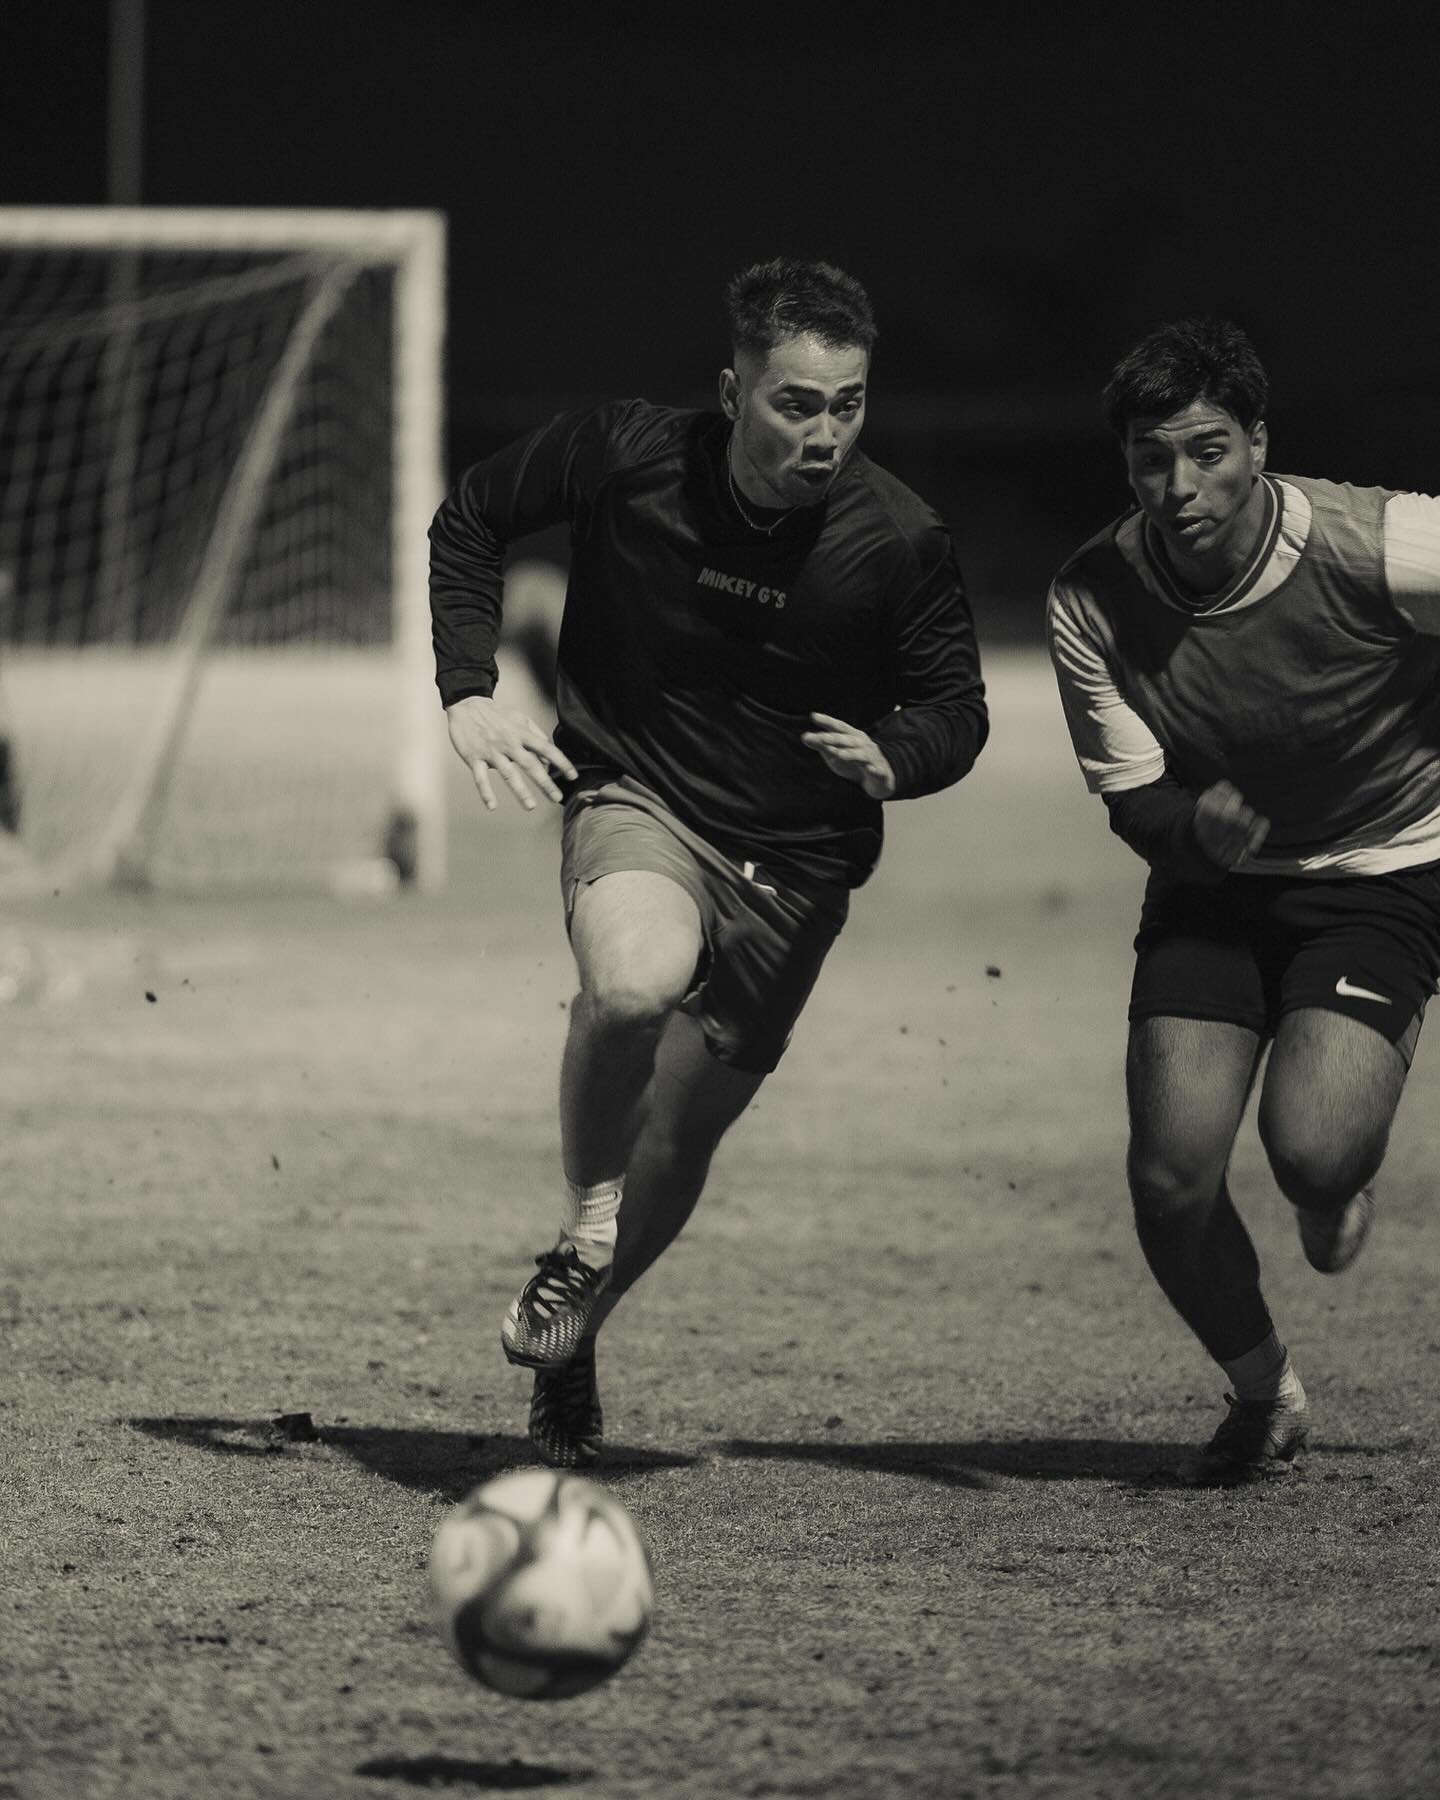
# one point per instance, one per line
(487, 736)
(849, 752)
(1226, 828)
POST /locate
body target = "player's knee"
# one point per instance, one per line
(1314, 1171)
(632, 1000)
(1167, 1187)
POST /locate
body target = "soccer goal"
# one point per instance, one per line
(219, 457)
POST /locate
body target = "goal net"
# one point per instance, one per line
(219, 456)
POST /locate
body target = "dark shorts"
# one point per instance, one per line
(1255, 947)
(764, 939)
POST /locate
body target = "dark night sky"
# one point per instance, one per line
(1022, 189)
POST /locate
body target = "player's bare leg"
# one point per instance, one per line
(691, 1103)
(637, 938)
(637, 941)
(1329, 1099)
(1188, 1081)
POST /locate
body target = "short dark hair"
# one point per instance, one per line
(785, 298)
(1191, 359)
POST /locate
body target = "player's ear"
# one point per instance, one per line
(730, 393)
(1259, 444)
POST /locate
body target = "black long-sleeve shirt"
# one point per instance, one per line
(694, 647)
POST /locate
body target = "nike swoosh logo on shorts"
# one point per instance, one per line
(750, 875)
(1343, 986)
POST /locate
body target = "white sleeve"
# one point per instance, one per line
(1114, 746)
(1412, 558)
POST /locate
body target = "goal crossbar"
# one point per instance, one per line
(380, 235)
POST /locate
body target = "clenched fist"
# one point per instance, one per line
(1226, 828)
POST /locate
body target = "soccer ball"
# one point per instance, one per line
(541, 1584)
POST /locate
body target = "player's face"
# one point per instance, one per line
(797, 415)
(1196, 476)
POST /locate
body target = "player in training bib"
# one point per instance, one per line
(1250, 669)
(765, 637)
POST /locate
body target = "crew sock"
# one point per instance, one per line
(1266, 1373)
(588, 1224)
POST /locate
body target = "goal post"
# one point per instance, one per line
(220, 451)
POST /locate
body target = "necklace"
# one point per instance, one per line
(754, 524)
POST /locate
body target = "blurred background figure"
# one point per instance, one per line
(534, 603)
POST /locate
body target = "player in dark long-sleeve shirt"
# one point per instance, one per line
(765, 637)
(695, 648)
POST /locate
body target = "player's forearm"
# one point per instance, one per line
(1158, 823)
(932, 745)
(537, 481)
(939, 725)
(466, 560)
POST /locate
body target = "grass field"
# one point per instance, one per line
(894, 1414)
(82, 721)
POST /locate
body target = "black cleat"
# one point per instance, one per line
(567, 1426)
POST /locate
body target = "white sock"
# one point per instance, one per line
(1265, 1373)
(588, 1223)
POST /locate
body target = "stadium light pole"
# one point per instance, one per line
(119, 376)
(125, 115)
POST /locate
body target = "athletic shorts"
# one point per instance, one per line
(1255, 947)
(765, 940)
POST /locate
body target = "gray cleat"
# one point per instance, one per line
(1256, 1441)
(1332, 1240)
(547, 1318)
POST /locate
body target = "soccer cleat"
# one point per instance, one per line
(1332, 1240)
(548, 1316)
(566, 1423)
(1256, 1441)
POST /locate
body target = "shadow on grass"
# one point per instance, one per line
(974, 1464)
(1400, 1447)
(452, 1771)
(436, 1462)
